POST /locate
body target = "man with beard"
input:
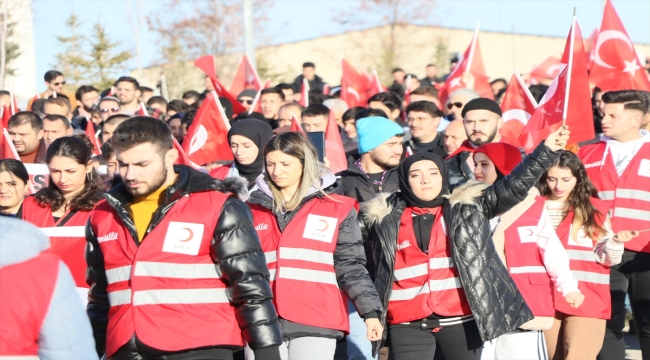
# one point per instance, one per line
(482, 121)
(128, 92)
(200, 271)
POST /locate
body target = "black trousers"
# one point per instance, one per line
(631, 277)
(135, 350)
(456, 342)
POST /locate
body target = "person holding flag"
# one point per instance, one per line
(62, 208)
(14, 181)
(619, 167)
(583, 225)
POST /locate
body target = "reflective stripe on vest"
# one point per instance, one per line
(118, 274)
(65, 231)
(176, 271)
(180, 296)
(634, 214)
(19, 357)
(606, 195)
(582, 255)
(527, 269)
(271, 258)
(591, 277)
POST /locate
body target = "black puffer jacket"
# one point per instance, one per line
(235, 248)
(458, 169)
(496, 304)
(349, 260)
(357, 186)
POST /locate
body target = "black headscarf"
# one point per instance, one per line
(405, 188)
(259, 132)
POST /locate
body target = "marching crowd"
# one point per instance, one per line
(440, 240)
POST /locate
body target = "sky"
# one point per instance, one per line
(294, 20)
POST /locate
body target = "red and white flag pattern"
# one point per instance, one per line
(207, 64)
(354, 86)
(207, 138)
(245, 78)
(547, 69)
(518, 106)
(93, 136)
(304, 93)
(334, 150)
(295, 125)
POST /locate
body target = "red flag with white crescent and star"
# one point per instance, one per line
(245, 78)
(207, 64)
(518, 106)
(207, 138)
(354, 86)
(615, 65)
(547, 69)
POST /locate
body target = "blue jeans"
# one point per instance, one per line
(359, 347)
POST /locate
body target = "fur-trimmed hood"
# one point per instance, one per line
(373, 211)
(234, 184)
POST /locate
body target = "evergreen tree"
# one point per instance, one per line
(9, 49)
(73, 59)
(105, 60)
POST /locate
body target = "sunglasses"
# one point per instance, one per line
(249, 102)
(111, 110)
(59, 83)
(456, 104)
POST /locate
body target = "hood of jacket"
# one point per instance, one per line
(20, 241)
(263, 196)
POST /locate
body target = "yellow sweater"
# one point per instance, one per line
(143, 208)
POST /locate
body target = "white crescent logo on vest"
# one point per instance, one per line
(527, 234)
(325, 225)
(190, 235)
(320, 228)
(183, 238)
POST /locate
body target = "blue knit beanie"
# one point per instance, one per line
(374, 131)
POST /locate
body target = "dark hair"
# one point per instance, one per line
(396, 70)
(53, 117)
(390, 100)
(272, 91)
(308, 64)
(59, 101)
(145, 89)
(38, 106)
(128, 79)
(191, 94)
(15, 167)
(284, 86)
(425, 107)
(501, 80)
(84, 89)
(631, 100)
(368, 113)
(316, 110)
(538, 91)
(157, 100)
(188, 118)
(351, 113)
(142, 129)
(77, 149)
(227, 107)
(107, 150)
(109, 98)
(51, 75)
(585, 213)
(429, 91)
(5, 92)
(178, 106)
(646, 95)
(24, 117)
(117, 118)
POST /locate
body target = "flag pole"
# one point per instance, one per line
(144, 109)
(570, 65)
(255, 101)
(526, 90)
(12, 101)
(470, 57)
(215, 96)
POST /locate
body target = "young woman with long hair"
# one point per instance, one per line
(62, 208)
(313, 246)
(582, 224)
(14, 181)
(438, 274)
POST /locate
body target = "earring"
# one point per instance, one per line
(89, 176)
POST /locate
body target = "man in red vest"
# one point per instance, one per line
(619, 167)
(175, 266)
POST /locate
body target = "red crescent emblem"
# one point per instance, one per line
(191, 235)
(325, 226)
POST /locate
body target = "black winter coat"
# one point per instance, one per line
(496, 304)
(235, 249)
(458, 169)
(349, 259)
(357, 186)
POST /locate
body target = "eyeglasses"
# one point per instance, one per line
(59, 83)
(249, 102)
(411, 119)
(111, 110)
(456, 104)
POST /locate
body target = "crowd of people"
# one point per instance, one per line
(440, 240)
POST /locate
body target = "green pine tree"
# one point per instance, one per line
(105, 60)
(73, 59)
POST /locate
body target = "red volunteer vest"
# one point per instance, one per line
(525, 263)
(424, 283)
(27, 290)
(167, 291)
(628, 195)
(220, 172)
(68, 241)
(593, 278)
(301, 262)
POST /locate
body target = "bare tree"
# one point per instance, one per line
(395, 14)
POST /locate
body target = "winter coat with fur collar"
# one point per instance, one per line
(496, 304)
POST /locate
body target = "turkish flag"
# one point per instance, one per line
(295, 125)
(304, 93)
(5, 114)
(142, 110)
(354, 86)
(334, 146)
(7, 149)
(257, 105)
(375, 86)
(589, 47)
(92, 135)
(183, 159)
(547, 69)
(245, 78)
(476, 68)
(518, 106)
(207, 138)
(207, 64)
(615, 65)
(572, 85)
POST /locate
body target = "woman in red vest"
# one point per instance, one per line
(582, 224)
(313, 247)
(62, 208)
(536, 260)
(13, 186)
(437, 271)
